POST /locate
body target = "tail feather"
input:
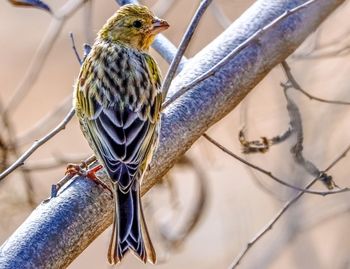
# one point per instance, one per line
(129, 227)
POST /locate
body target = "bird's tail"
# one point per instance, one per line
(129, 227)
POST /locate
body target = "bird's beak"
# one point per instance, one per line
(159, 25)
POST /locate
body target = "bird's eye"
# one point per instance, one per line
(137, 24)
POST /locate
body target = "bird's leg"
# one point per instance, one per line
(91, 174)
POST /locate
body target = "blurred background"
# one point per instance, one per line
(226, 202)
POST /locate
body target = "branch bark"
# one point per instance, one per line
(58, 231)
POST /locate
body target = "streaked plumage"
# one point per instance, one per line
(118, 100)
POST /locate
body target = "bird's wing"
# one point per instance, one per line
(122, 136)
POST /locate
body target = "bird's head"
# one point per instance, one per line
(134, 26)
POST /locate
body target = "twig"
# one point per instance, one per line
(297, 127)
(20, 161)
(292, 80)
(183, 45)
(253, 38)
(263, 145)
(254, 176)
(287, 205)
(74, 48)
(268, 173)
(270, 224)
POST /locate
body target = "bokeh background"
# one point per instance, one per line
(238, 202)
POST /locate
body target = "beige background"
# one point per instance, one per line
(314, 234)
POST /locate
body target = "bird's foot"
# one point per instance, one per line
(74, 169)
(81, 170)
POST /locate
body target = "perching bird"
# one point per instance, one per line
(117, 99)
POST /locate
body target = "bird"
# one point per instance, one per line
(117, 98)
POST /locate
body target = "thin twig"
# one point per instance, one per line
(75, 48)
(283, 210)
(254, 176)
(269, 225)
(296, 85)
(268, 173)
(253, 38)
(262, 145)
(20, 161)
(183, 45)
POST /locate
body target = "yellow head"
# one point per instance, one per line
(134, 26)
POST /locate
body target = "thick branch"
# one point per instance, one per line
(56, 232)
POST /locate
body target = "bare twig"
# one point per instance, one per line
(252, 39)
(263, 145)
(268, 173)
(20, 161)
(283, 210)
(75, 48)
(243, 110)
(297, 148)
(296, 127)
(295, 84)
(183, 45)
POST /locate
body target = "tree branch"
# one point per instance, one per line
(58, 231)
